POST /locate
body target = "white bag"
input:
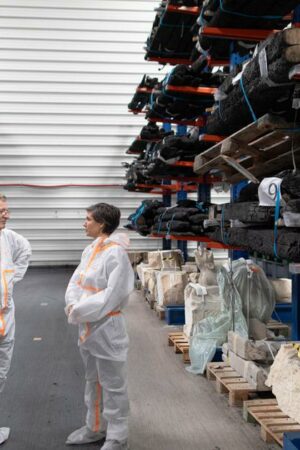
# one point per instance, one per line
(170, 287)
(268, 190)
(199, 302)
(144, 273)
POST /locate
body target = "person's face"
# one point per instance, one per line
(4, 214)
(92, 228)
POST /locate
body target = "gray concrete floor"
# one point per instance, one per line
(43, 400)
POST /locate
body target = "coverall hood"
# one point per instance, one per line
(120, 239)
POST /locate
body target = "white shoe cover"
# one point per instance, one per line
(112, 444)
(84, 436)
(4, 433)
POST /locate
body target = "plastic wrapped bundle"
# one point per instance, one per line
(208, 334)
(212, 331)
(256, 291)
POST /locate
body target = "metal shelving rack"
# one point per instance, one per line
(285, 312)
(289, 313)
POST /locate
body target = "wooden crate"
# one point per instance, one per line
(181, 344)
(227, 380)
(273, 421)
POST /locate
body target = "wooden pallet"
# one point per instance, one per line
(160, 311)
(227, 380)
(181, 344)
(257, 150)
(274, 422)
(279, 328)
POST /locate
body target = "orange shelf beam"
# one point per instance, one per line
(133, 152)
(211, 62)
(197, 123)
(208, 179)
(210, 243)
(170, 188)
(193, 10)
(137, 111)
(211, 138)
(144, 90)
(237, 33)
(183, 164)
(191, 90)
(171, 61)
(138, 138)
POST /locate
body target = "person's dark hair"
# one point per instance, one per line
(107, 214)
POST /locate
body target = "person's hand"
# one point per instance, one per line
(68, 309)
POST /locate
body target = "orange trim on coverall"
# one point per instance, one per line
(98, 249)
(97, 408)
(5, 302)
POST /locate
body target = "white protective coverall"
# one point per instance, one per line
(15, 252)
(96, 295)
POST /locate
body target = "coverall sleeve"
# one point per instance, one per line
(74, 291)
(119, 285)
(21, 254)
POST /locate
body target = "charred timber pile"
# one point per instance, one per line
(186, 219)
(142, 219)
(262, 241)
(263, 87)
(242, 14)
(248, 225)
(143, 92)
(171, 35)
(157, 160)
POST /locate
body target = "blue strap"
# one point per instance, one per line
(167, 77)
(169, 224)
(250, 16)
(137, 214)
(201, 207)
(201, 20)
(276, 218)
(247, 100)
(160, 223)
(160, 220)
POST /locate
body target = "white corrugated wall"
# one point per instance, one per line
(68, 68)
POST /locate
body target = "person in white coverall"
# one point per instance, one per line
(14, 258)
(95, 298)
